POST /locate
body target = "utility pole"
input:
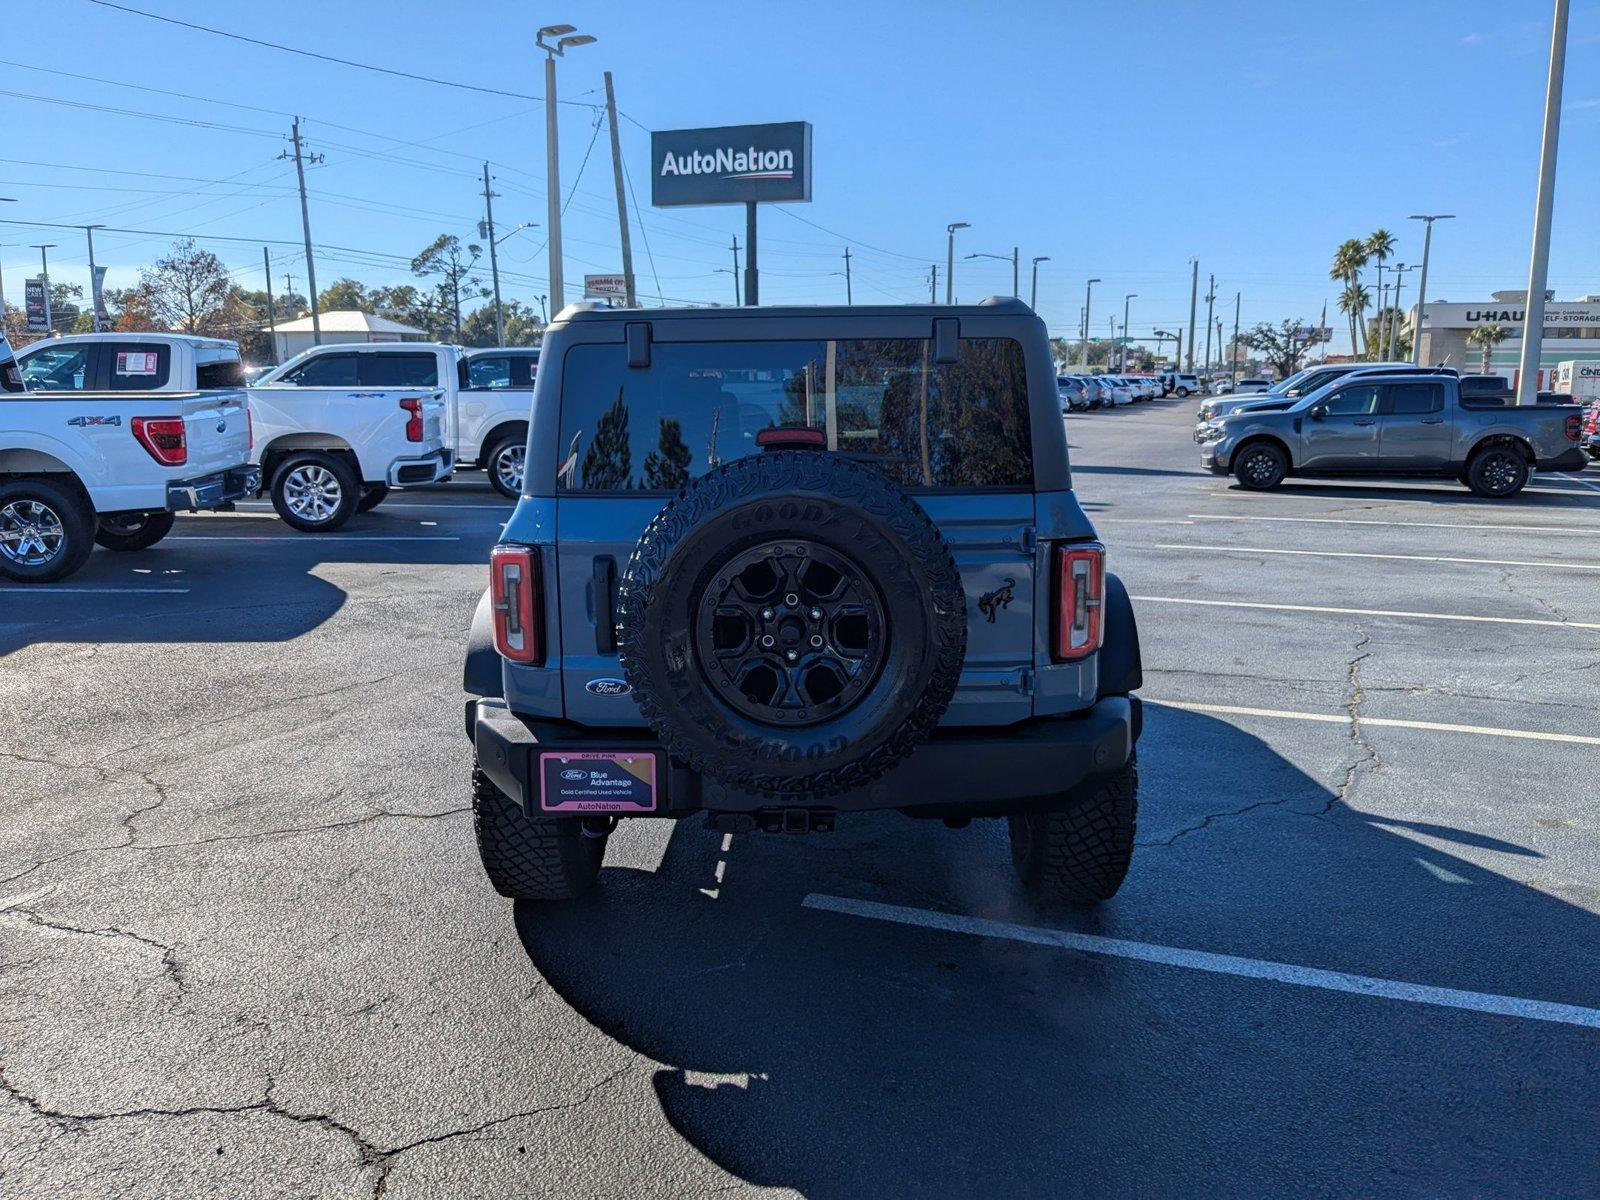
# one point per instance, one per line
(1391, 318)
(849, 297)
(1211, 295)
(1016, 276)
(494, 257)
(1233, 353)
(272, 318)
(1122, 359)
(305, 225)
(94, 280)
(1383, 319)
(630, 296)
(1088, 295)
(752, 273)
(1422, 283)
(933, 283)
(736, 300)
(1194, 290)
(1539, 260)
(44, 275)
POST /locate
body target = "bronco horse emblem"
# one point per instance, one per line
(991, 603)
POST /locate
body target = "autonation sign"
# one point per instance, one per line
(733, 164)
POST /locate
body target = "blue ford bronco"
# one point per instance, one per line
(776, 566)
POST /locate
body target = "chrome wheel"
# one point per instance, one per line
(31, 533)
(312, 492)
(508, 467)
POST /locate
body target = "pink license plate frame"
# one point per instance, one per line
(599, 781)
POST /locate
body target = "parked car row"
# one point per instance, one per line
(104, 437)
(1080, 393)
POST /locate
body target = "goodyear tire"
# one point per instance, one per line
(532, 858)
(1078, 852)
(792, 624)
(133, 531)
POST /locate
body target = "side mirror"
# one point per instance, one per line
(1318, 412)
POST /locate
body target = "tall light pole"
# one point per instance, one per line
(1539, 260)
(1033, 292)
(1211, 296)
(1233, 350)
(4, 200)
(1010, 258)
(566, 36)
(1194, 291)
(44, 274)
(94, 280)
(1392, 318)
(1122, 359)
(1422, 280)
(1088, 292)
(950, 259)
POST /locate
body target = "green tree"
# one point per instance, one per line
(447, 258)
(1488, 337)
(1283, 345)
(190, 291)
(1348, 259)
(345, 295)
(666, 468)
(1353, 303)
(523, 327)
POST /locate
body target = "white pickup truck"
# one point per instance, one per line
(88, 455)
(487, 393)
(325, 453)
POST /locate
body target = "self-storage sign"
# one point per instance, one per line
(731, 164)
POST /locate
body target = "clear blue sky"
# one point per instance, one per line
(1119, 139)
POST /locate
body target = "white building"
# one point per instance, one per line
(1571, 330)
(291, 337)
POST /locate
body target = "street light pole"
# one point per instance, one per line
(1122, 358)
(1016, 276)
(1088, 291)
(1033, 294)
(1233, 350)
(1211, 296)
(1422, 281)
(566, 36)
(94, 280)
(1539, 260)
(1194, 290)
(950, 259)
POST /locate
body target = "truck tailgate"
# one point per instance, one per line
(217, 430)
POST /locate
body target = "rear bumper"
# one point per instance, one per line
(430, 468)
(1574, 459)
(208, 491)
(957, 772)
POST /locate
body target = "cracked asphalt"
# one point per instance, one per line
(246, 948)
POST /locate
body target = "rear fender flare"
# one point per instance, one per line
(482, 675)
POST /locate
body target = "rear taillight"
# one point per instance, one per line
(414, 421)
(1574, 426)
(1080, 600)
(514, 593)
(250, 427)
(164, 438)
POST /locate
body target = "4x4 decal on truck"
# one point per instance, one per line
(990, 603)
(81, 422)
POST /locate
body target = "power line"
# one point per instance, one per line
(343, 62)
(130, 112)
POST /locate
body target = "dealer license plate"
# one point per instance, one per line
(597, 781)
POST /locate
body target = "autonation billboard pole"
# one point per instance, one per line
(733, 164)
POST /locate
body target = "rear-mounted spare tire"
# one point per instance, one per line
(792, 624)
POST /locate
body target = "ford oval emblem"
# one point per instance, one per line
(607, 687)
(222, 427)
(574, 774)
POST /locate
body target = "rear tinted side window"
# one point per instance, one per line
(1413, 398)
(136, 368)
(399, 370)
(326, 370)
(213, 375)
(884, 402)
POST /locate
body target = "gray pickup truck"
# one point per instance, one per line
(1393, 425)
(777, 567)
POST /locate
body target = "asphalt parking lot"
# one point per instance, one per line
(248, 949)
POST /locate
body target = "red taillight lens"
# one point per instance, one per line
(1574, 426)
(250, 426)
(1080, 600)
(414, 421)
(164, 438)
(515, 594)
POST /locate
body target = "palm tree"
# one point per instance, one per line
(1380, 245)
(1488, 336)
(1348, 260)
(1353, 302)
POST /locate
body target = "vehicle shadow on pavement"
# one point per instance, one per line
(844, 1057)
(1442, 493)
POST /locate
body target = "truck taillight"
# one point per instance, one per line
(515, 595)
(250, 428)
(1574, 427)
(414, 422)
(164, 438)
(1080, 600)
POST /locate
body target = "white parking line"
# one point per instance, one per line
(1367, 612)
(1433, 558)
(1582, 530)
(388, 507)
(1215, 964)
(1235, 710)
(48, 589)
(310, 539)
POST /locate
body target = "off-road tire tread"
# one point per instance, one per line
(1082, 850)
(775, 474)
(531, 858)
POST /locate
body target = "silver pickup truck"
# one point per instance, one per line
(1393, 425)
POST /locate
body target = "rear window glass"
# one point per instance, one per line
(884, 402)
(399, 370)
(212, 375)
